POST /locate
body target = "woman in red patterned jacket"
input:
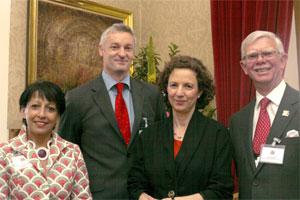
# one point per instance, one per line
(38, 164)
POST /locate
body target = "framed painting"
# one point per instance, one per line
(63, 40)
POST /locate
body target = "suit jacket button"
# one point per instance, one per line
(171, 194)
(256, 182)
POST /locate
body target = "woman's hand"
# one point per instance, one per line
(196, 196)
(145, 196)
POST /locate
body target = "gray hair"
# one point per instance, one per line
(117, 27)
(252, 37)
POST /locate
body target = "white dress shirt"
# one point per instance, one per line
(275, 97)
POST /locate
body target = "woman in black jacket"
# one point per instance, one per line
(186, 156)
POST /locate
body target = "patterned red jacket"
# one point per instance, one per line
(23, 177)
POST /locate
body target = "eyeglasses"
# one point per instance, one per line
(252, 57)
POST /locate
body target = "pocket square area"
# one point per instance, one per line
(292, 133)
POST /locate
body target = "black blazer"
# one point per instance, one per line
(268, 181)
(89, 120)
(203, 164)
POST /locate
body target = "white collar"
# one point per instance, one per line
(274, 96)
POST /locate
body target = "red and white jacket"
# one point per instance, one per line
(23, 177)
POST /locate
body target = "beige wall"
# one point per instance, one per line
(17, 61)
(291, 73)
(4, 41)
(183, 22)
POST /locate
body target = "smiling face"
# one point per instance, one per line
(41, 117)
(117, 53)
(183, 90)
(265, 72)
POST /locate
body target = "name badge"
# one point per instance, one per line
(272, 154)
(20, 162)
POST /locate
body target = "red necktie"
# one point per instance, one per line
(263, 126)
(122, 114)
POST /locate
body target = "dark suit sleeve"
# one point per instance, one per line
(220, 184)
(137, 181)
(69, 124)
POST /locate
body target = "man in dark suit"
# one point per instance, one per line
(265, 133)
(90, 118)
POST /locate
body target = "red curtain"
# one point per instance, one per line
(232, 21)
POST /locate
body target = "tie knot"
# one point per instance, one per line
(120, 87)
(264, 103)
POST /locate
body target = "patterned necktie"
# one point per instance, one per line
(122, 114)
(263, 127)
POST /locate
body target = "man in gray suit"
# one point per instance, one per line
(266, 135)
(90, 120)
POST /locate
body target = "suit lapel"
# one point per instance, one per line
(20, 144)
(56, 148)
(247, 126)
(138, 99)
(281, 120)
(191, 141)
(168, 147)
(102, 101)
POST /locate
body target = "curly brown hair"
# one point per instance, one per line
(204, 78)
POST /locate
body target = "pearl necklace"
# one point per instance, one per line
(178, 136)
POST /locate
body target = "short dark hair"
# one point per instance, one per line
(47, 90)
(204, 78)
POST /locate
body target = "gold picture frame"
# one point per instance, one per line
(63, 37)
